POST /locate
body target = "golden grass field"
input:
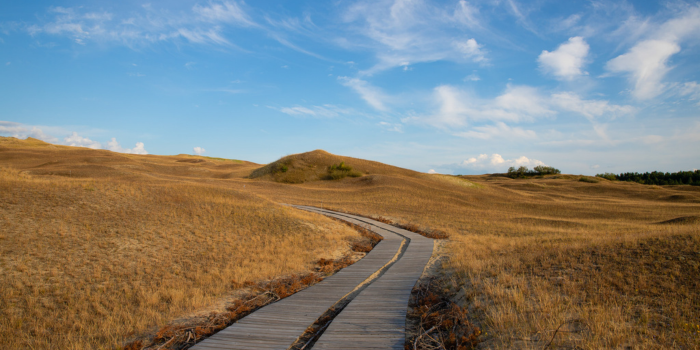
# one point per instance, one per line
(98, 246)
(128, 243)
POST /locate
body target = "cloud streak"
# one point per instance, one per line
(405, 32)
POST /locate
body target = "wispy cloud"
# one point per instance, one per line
(371, 94)
(691, 90)
(226, 12)
(203, 24)
(498, 130)
(463, 114)
(324, 111)
(646, 63)
(408, 32)
(458, 108)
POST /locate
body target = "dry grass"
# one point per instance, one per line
(546, 262)
(313, 166)
(88, 262)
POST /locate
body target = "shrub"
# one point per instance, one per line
(342, 170)
(589, 179)
(609, 176)
(546, 170)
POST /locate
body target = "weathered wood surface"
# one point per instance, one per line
(278, 325)
(374, 319)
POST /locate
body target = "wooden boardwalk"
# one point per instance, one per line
(385, 300)
(376, 318)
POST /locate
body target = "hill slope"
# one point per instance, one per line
(36, 157)
(98, 246)
(314, 165)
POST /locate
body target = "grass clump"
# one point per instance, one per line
(340, 171)
(589, 179)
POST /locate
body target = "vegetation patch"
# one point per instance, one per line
(184, 336)
(441, 322)
(321, 165)
(524, 172)
(340, 171)
(589, 179)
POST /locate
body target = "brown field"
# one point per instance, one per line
(125, 244)
(97, 246)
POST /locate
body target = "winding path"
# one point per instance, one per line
(379, 285)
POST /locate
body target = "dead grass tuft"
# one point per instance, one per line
(442, 323)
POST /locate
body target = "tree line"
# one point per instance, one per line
(657, 177)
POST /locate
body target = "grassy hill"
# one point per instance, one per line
(126, 243)
(98, 247)
(36, 157)
(315, 165)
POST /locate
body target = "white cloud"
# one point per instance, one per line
(37, 133)
(413, 31)
(198, 150)
(646, 63)
(456, 108)
(692, 90)
(324, 111)
(467, 14)
(590, 109)
(228, 12)
(205, 24)
(498, 130)
(524, 101)
(372, 95)
(567, 60)
(22, 131)
(495, 162)
(78, 141)
(114, 146)
(432, 171)
(472, 77)
(11, 128)
(471, 49)
(392, 127)
(462, 114)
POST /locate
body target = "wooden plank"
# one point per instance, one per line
(376, 318)
(278, 325)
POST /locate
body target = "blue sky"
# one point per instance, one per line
(460, 87)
